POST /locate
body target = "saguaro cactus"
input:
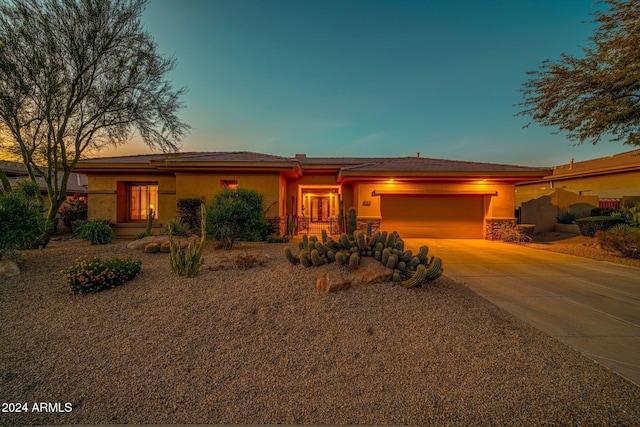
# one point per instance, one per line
(351, 222)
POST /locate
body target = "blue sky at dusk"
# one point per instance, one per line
(368, 78)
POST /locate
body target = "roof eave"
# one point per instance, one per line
(346, 176)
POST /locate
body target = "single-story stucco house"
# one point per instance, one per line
(416, 196)
(610, 179)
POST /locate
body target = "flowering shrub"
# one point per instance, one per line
(75, 209)
(93, 275)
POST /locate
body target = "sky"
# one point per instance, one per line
(368, 78)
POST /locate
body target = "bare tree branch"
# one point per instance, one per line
(81, 75)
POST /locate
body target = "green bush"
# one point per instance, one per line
(90, 275)
(621, 238)
(274, 238)
(237, 215)
(590, 225)
(567, 218)
(140, 235)
(22, 220)
(97, 231)
(187, 262)
(189, 211)
(178, 227)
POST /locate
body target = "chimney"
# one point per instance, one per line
(418, 154)
(571, 164)
(301, 156)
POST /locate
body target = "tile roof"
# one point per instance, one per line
(16, 171)
(346, 165)
(627, 160)
(425, 164)
(13, 168)
(339, 161)
(217, 156)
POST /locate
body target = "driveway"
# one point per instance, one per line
(589, 305)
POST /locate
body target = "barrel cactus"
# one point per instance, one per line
(408, 269)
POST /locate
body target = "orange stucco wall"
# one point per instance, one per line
(200, 184)
(613, 186)
(498, 206)
(103, 199)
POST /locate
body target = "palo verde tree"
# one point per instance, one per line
(76, 76)
(597, 94)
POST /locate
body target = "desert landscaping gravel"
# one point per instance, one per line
(262, 345)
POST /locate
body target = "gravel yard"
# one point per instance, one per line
(583, 246)
(264, 346)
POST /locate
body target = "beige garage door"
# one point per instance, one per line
(446, 217)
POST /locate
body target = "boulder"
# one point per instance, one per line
(8, 268)
(370, 271)
(140, 244)
(333, 281)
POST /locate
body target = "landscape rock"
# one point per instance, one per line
(370, 271)
(8, 268)
(140, 244)
(333, 281)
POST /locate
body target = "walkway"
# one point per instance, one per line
(589, 305)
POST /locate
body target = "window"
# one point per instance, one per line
(231, 184)
(142, 197)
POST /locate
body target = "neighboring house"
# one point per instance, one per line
(416, 196)
(610, 179)
(15, 171)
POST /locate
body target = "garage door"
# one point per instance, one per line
(446, 217)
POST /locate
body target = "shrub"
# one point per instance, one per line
(140, 235)
(274, 238)
(602, 211)
(634, 214)
(237, 215)
(178, 227)
(589, 225)
(567, 218)
(22, 220)
(508, 232)
(73, 210)
(90, 275)
(187, 262)
(621, 238)
(98, 232)
(189, 211)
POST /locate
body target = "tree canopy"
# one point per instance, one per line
(597, 94)
(76, 76)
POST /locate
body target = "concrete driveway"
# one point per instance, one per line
(589, 305)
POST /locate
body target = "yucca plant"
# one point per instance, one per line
(187, 262)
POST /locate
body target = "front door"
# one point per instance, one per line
(319, 208)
